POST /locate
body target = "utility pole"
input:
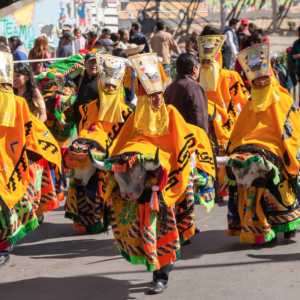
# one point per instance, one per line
(274, 11)
(223, 14)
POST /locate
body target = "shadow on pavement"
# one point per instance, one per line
(81, 287)
(217, 241)
(69, 249)
(48, 231)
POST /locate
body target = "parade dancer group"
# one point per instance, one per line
(140, 170)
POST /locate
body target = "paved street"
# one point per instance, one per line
(55, 262)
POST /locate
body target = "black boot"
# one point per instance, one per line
(41, 219)
(157, 288)
(4, 258)
(290, 234)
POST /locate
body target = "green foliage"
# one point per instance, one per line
(291, 24)
(282, 59)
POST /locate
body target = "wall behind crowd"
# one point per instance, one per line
(44, 17)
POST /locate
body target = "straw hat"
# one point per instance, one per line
(134, 49)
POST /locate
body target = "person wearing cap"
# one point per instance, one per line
(232, 40)
(87, 85)
(139, 38)
(66, 41)
(243, 30)
(91, 40)
(65, 28)
(163, 43)
(106, 44)
(132, 50)
(105, 34)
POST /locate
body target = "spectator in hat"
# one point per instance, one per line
(163, 43)
(105, 44)
(124, 38)
(138, 38)
(106, 34)
(65, 28)
(87, 85)
(91, 40)
(243, 30)
(66, 42)
(130, 96)
(134, 49)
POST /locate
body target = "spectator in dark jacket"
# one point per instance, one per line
(186, 94)
(139, 38)
(87, 84)
(294, 55)
(17, 49)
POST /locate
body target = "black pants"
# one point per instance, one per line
(162, 275)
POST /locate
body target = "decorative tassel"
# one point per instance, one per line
(127, 78)
(164, 76)
(42, 84)
(83, 51)
(154, 199)
(164, 180)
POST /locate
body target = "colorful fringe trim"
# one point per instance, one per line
(47, 207)
(140, 260)
(244, 164)
(89, 229)
(207, 205)
(233, 162)
(187, 234)
(287, 227)
(258, 240)
(25, 229)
